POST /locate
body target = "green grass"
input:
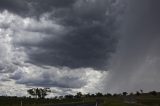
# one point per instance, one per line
(113, 101)
(150, 101)
(141, 101)
(104, 101)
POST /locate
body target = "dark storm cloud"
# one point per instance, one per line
(43, 6)
(89, 43)
(88, 47)
(16, 6)
(65, 82)
(52, 3)
(33, 7)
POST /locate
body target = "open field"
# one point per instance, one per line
(103, 100)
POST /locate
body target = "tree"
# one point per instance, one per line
(108, 95)
(92, 95)
(131, 94)
(115, 94)
(141, 91)
(32, 92)
(79, 95)
(39, 92)
(99, 94)
(125, 93)
(69, 96)
(88, 95)
(154, 93)
(137, 93)
(60, 97)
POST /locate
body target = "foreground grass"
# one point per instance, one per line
(140, 101)
(103, 101)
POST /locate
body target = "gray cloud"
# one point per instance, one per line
(86, 37)
(88, 43)
(33, 7)
(79, 34)
(53, 77)
(16, 6)
(135, 66)
(42, 6)
(47, 80)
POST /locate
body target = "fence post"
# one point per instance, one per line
(21, 103)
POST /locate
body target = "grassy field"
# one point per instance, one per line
(138, 101)
(118, 100)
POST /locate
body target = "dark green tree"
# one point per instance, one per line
(154, 93)
(39, 92)
(115, 94)
(141, 91)
(32, 92)
(69, 96)
(99, 94)
(79, 95)
(88, 95)
(108, 95)
(92, 95)
(124, 93)
(137, 93)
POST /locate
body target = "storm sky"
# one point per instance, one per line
(79, 45)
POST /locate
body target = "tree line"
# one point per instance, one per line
(43, 92)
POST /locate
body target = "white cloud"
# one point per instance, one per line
(84, 79)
